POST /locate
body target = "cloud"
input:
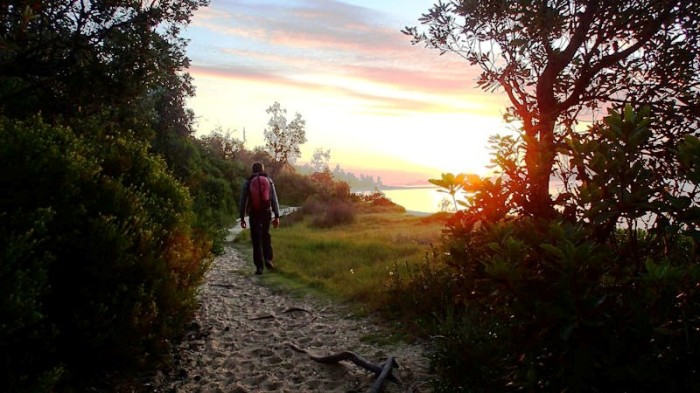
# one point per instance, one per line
(448, 80)
(286, 43)
(373, 103)
(328, 25)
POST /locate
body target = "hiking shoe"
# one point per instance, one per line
(258, 271)
(269, 265)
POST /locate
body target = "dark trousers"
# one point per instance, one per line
(260, 235)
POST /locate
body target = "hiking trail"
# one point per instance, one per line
(240, 341)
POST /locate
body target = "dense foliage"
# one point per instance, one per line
(589, 282)
(213, 180)
(603, 298)
(331, 203)
(99, 262)
(109, 208)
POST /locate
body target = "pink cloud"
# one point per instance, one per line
(275, 42)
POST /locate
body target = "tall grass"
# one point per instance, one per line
(355, 262)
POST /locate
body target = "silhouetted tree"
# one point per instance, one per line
(558, 59)
(77, 59)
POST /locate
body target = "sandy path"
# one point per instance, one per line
(233, 349)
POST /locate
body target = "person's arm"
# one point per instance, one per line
(275, 204)
(243, 202)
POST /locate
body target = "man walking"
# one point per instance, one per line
(259, 200)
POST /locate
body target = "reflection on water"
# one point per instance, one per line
(425, 200)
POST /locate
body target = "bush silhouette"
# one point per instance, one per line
(99, 265)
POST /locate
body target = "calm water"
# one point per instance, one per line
(424, 200)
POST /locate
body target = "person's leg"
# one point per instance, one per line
(267, 240)
(256, 236)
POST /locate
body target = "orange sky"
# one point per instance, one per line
(382, 106)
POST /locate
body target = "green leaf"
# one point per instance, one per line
(553, 250)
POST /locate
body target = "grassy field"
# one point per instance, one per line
(355, 262)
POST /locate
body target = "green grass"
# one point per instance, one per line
(352, 263)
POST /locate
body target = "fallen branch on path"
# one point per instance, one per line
(268, 316)
(378, 384)
(383, 371)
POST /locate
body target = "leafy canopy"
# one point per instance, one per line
(560, 61)
(80, 58)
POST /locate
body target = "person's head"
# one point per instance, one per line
(258, 167)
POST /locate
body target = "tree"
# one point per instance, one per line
(320, 160)
(89, 91)
(558, 60)
(222, 144)
(77, 59)
(562, 305)
(282, 139)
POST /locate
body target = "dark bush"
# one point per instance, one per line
(573, 314)
(420, 289)
(603, 297)
(293, 189)
(99, 266)
(336, 213)
(213, 182)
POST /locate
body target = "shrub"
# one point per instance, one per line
(328, 213)
(376, 202)
(420, 290)
(100, 267)
(329, 202)
(213, 182)
(574, 314)
(585, 301)
(293, 189)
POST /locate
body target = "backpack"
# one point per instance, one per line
(259, 189)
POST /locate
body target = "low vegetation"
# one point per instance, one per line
(354, 262)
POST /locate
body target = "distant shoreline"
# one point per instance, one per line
(418, 213)
(385, 187)
(417, 200)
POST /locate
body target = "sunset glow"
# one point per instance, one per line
(382, 106)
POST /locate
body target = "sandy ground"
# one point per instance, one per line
(241, 335)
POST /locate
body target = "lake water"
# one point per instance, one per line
(424, 200)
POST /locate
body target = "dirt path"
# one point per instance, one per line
(242, 335)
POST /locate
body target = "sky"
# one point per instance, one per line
(383, 106)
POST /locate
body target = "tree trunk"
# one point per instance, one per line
(539, 160)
